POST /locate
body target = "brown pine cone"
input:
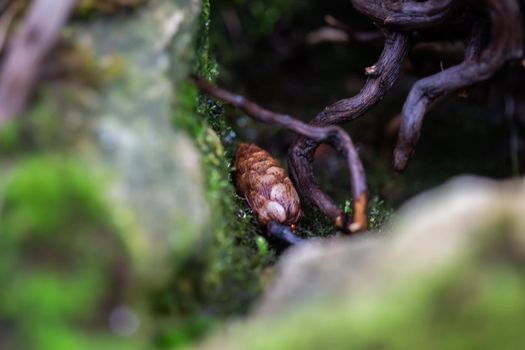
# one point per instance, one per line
(265, 185)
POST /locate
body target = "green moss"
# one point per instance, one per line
(19, 135)
(205, 66)
(379, 213)
(10, 138)
(40, 194)
(235, 261)
(58, 250)
(184, 117)
(182, 332)
(223, 277)
(231, 263)
(314, 223)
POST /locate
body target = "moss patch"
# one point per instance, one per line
(60, 256)
(223, 277)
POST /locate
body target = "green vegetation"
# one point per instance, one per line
(59, 254)
(10, 138)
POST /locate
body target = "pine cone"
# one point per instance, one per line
(265, 185)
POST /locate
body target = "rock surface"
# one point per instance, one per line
(448, 274)
(123, 126)
(429, 232)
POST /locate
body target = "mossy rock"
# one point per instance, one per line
(449, 275)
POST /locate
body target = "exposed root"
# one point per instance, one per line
(505, 44)
(381, 78)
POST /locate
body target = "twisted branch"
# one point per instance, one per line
(382, 76)
(505, 44)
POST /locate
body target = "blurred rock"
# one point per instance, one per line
(448, 274)
(157, 169)
(114, 109)
(428, 231)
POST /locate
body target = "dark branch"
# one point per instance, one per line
(300, 156)
(381, 77)
(505, 44)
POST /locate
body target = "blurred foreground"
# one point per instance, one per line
(447, 275)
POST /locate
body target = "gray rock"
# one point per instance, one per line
(429, 231)
(124, 127)
(319, 270)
